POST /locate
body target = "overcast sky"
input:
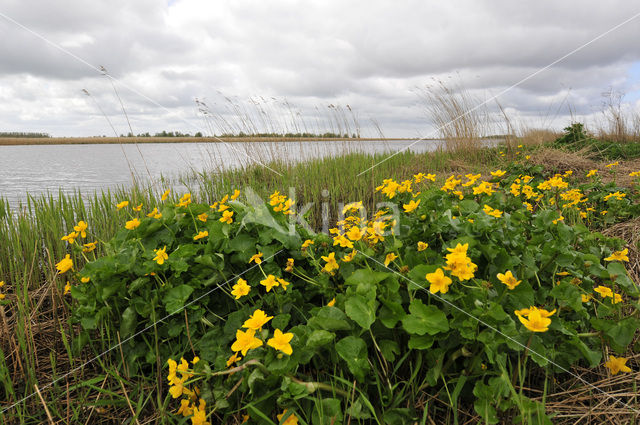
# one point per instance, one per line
(294, 65)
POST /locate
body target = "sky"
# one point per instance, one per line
(316, 66)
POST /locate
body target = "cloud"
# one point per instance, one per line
(238, 56)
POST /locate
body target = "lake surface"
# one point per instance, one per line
(39, 169)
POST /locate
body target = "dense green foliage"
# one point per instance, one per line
(376, 330)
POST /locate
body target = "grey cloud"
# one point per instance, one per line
(372, 55)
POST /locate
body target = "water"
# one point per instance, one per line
(41, 169)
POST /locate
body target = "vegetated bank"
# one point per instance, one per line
(401, 380)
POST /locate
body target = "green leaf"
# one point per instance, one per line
(390, 349)
(330, 319)
(128, 323)
(242, 242)
(176, 297)
(281, 321)
(568, 294)
(360, 310)
(366, 276)
(327, 412)
(353, 351)
(320, 337)
(424, 319)
(391, 313)
(421, 342)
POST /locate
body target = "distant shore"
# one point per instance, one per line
(10, 141)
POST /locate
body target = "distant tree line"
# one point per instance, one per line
(164, 134)
(242, 134)
(294, 135)
(22, 134)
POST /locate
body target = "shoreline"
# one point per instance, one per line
(17, 141)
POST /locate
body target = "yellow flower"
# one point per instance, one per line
(280, 341)
(585, 297)
(257, 320)
(352, 207)
(349, 256)
(492, 212)
(283, 283)
(558, 219)
(67, 288)
(203, 217)
(634, 174)
(422, 246)
(132, 224)
(165, 195)
(439, 282)
(332, 264)
(343, 241)
(418, 177)
(332, 302)
(138, 208)
(177, 389)
(508, 279)
(389, 258)
(291, 420)
(616, 298)
(256, 257)
(65, 264)
(306, 244)
(161, 255)
(199, 416)
(226, 217)
(88, 247)
(246, 341)
(592, 173)
(81, 228)
(289, 266)
(617, 364)
(411, 206)
(240, 289)
(185, 408)
(537, 319)
(122, 204)
(233, 359)
(201, 234)
(354, 234)
(498, 173)
(484, 187)
(603, 291)
(184, 200)
(70, 238)
(155, 214)
(235, 195)
(619, 256)
(269, 282)
(613, 164)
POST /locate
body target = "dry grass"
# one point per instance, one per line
(629, 231)
(559, 161)
(537, 136)
(460, 118)
(575, 403)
